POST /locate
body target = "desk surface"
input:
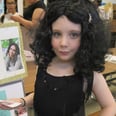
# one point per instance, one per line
(30, 79)
(113, 26)
(110, 67)
(94, 114)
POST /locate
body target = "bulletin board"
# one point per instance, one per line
(11, 33)
(12, 90)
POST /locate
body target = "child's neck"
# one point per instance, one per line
(60, 68)
(62, 62)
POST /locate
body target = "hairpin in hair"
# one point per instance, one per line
(90, 18)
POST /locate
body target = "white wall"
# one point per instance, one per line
(45, 1)
(20, 6)
(113, 1)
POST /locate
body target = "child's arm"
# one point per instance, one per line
(103, 95)
(17, 102)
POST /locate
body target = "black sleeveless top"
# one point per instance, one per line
(28, 12)
(58, 96)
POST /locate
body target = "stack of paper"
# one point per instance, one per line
(110, 58)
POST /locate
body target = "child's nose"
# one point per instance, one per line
(64, 41)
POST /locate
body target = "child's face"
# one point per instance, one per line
(65, 38)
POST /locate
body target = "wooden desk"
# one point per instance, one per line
(113, 26)
(30, 79)
(113, 23)
(110, 67)
(94, 114)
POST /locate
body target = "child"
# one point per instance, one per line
(69, 48)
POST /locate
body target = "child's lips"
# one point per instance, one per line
(64, 52)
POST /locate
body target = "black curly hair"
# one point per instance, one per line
(94, 45)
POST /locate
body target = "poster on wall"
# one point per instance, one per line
(12, 59)
(18, 92)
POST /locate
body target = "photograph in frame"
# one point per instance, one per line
(12, 58)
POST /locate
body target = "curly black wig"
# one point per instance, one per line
(94, 36)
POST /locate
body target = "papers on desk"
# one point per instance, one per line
(110, 58)
(28, 55)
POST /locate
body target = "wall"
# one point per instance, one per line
(113, 1)
(20, 6)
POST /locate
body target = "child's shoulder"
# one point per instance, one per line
(97, 74)
(98, 78)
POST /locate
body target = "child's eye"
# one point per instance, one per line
(56, 34)
(75, 35)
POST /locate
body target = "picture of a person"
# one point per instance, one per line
(12, 59)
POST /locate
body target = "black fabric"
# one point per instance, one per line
(28, 12)
(58, 96)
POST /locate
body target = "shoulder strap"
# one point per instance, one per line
(2, 18)
(84, 85)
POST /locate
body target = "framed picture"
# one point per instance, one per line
(12, 58)
(12, 90)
